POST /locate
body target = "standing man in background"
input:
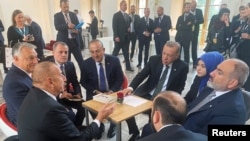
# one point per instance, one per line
(161, 26)
(2, 47)
(198, 19)
(135, 19)
(65, 22)
(93, 26)
(37, 31)
(145, 31)
(81, 44)
(1, 35)
(121, 29)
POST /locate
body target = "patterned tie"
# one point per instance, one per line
(103, 85)
(161, 82)
(202, 103)
(62, 69)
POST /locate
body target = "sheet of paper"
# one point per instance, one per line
(133, 101)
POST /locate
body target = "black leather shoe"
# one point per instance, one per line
(101, 130)
(134, 137)
(111, 131)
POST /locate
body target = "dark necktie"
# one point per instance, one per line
(160, 20)
(160, 82)
(62, 69)
(67, 18)
(147, 21)
(103, 85)
(202, 103)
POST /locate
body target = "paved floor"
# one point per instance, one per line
(141, 119)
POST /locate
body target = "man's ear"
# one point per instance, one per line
(156, 117)
(233, 83)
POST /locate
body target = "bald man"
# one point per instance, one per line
(45, 116)
(168, 113)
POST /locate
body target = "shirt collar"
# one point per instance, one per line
(29, 74)
(168, 126)
(103, 61)
(219, 93)
(50, 95)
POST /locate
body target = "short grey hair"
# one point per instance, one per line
(241, 72)
(174, 44)
(16, 49)
(59, 43)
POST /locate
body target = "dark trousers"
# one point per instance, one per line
(186, 45)
(93, 36)
(80, 114)
(125, 51)
(159, 43)
(143, 44)
(133, 38)
(75, 50)
(194, 47)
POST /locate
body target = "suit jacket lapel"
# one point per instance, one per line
(107, 67)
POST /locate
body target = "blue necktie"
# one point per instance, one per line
(103, 85)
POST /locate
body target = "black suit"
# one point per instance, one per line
(94, 27)
(152, 71)
(37, 32)
(133, 32)
(198, 20)
(162, 37)
(121, 26)
(62, 34)
(70, 73)
(144, 41)
(184, 28)
(175, 133)
(48, 120)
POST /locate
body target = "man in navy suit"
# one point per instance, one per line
(91, 77)
(145, 31)
(198, 19)
(46, 117)
(93, 26)
(65, 22)
(161, 26)
(121, 28)
(38, 36)
(72, 86)
(168, 113)
(227, 104)
(154, 71)
(17, 82)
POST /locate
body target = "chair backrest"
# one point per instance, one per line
(125, 81)
(7, 127)
(246, 95)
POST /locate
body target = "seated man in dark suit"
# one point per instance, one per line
(72, 87)
(18, 82)
(45, 116)
(168, 113)
(112, 78)
(225, 104)
(165, 72)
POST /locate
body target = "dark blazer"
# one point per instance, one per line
(175, 133)
(48, 120)
(15, 36)
(199, 19)
(62, 27)
(165, 25)
(94, 26)
(120, 26)
(37, 32)
(194, 90)
(16, 86)
(136, 22)
(184, 28)
(1, 35)
(228, 108)
(70, 75)
(152, 71)
(144, 27)
(89, 75)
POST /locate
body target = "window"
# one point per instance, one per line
(142, 5)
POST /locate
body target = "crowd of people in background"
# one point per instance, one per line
(40, 88)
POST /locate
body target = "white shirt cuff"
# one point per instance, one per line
(97, 122)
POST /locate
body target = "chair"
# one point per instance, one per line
(49, 46)
(125, 81)
(7, 127)
(246, 95)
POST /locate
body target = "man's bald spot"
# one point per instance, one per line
(175, 99)
(42, 71)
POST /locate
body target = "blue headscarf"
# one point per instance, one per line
(211, 61)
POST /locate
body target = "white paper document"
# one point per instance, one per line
(133, 101)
